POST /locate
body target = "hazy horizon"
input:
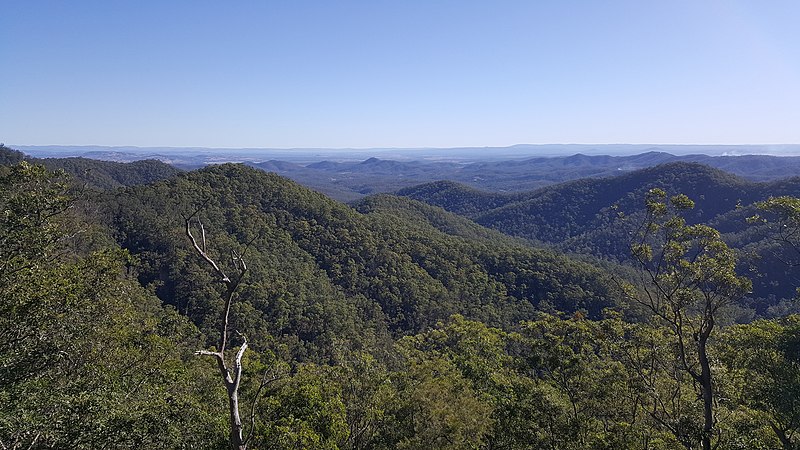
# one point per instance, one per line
(463, 154)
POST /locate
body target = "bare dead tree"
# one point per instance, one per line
(231, 376)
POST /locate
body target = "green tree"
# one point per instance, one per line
(434, 405)
(88, 358)
(764, 357)
(785, 220)
(663, 395)
(688, 278)
(589, 398)
(304, 410)
(781, 216)
(368, 394)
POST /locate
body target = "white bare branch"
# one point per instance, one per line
(231, 381)
(201, 250)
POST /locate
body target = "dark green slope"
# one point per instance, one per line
(98, 174)
(322, 271)
(529, 276)
(108, 174)
(88, 357)
(9, 156)
(556, 214)
(458, 198)
(583, 216)
(424, 215)
(772, 267)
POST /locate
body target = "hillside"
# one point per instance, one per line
(96, 173)
(557, 213)
(399, 268)
(458, 198)
(582, 216)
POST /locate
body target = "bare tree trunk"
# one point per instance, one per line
(231, 380)
(785, 440)
(707, 392)
(237, 441)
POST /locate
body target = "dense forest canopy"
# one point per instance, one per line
(598, 216)
(393, 323)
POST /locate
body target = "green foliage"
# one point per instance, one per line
(31, 198)
(787, 210)
(87, 356)
(783, 228)
(391, 325)
(688, 279)
(370, 397)
(437, 407)
(9, 156)
(579, 360)
(319, 269)
(599, 216)
(304, 411)
(764, 365)
(685, 263)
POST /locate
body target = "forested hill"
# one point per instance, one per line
(96, 173)
(599, 216)
(318, 265)
(555, 214)
(459, 198)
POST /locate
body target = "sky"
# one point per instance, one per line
(379, 73)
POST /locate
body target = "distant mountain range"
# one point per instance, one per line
(203, 155)
(376, 175)
(349, 174)
(351, 180)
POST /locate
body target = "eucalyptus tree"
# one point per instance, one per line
(781, 217)
(688, 276)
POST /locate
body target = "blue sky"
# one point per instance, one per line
(380, 73)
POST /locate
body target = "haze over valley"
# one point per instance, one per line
(349, 174)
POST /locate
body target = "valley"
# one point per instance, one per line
(494, 315)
